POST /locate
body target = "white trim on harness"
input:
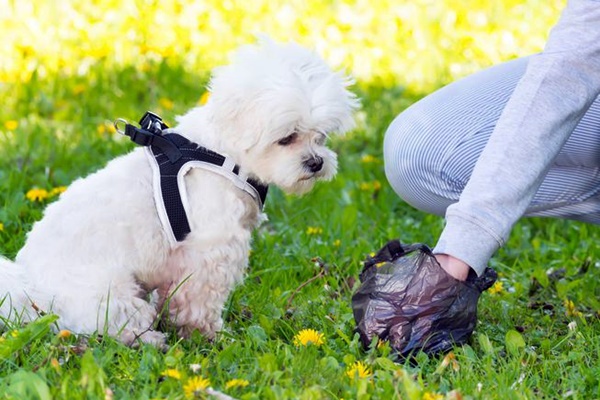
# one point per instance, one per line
(226, 170)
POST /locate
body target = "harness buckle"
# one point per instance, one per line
(153, 123)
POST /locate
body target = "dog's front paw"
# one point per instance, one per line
(134, 338)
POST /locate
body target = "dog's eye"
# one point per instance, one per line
(320, 140)
(289, 139)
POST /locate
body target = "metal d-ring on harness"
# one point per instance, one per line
(172, 156)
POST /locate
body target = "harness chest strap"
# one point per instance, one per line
(170, 194)
(171, 157)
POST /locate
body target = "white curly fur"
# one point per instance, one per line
(100, 249)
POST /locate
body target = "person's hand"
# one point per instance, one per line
(407, 298)
(452, 265)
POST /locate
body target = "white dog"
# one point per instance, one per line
(104, 245)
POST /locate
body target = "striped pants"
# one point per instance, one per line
(430, 149)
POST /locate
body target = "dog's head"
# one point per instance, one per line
(275, 106)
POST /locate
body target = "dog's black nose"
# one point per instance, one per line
(314, 164)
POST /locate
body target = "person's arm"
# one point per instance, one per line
(557, 89)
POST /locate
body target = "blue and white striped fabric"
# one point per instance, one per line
(430, 149)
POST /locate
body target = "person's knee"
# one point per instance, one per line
(410, 166)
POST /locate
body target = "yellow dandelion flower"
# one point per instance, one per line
(106, 127)
(63, 334)
(365, 186)
(358, 370)
(496, 288)
(1, 226)
(204, 98)
(337, 243)
(569, 305)
(26, 50)
(144, 48)
(368, 159)
(235, 383)
(195, 386)
(55, 364)
(11, 125)
(374, 186)
(172, 373)
(79, 88)
(309, 336)
(36, 194)
(571, 310)
(14, 333)
(311, 230)
(57, 190)
(449, 360)
(432, 396)
(165, 103)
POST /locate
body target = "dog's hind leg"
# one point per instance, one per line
(132, 320)
(121, 312)
(135, 323)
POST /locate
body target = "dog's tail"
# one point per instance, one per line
(13, 298)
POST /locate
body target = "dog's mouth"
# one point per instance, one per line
(308, 177)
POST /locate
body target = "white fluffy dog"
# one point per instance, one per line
(101, 248)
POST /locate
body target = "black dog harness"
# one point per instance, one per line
(172, 156)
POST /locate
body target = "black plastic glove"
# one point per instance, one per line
(407, 298)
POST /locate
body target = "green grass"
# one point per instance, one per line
(522, 347)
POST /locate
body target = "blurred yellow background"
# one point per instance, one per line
(419, 44)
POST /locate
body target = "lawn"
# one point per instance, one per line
(539, 330)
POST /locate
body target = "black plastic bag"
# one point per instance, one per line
(406, 298)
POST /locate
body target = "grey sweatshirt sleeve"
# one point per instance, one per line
(557, 89)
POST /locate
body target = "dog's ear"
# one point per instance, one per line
(234, 116)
